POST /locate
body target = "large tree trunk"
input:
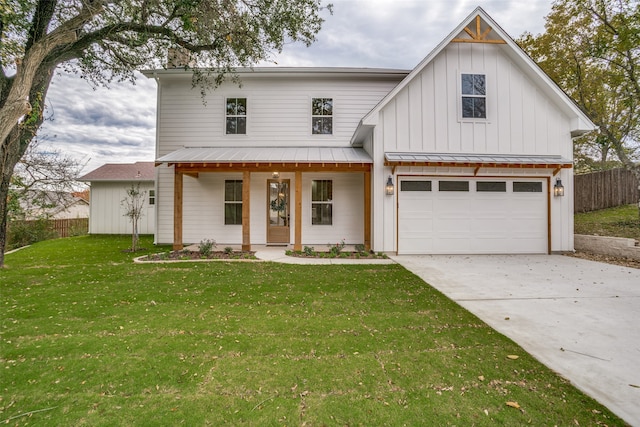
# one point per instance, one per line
(14, 146)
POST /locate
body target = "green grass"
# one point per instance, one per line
(89, 338)
(621, 221)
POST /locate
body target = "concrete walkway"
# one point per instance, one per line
(580, 318)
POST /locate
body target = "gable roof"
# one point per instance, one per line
(139, 171)
(485, 29)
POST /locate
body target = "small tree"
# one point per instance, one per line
(133, 206)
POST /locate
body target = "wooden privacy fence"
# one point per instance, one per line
(70, 227)
(604, 189)
(62, 227)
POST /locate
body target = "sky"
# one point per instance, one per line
(117, 125)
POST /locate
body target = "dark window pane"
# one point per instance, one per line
(467, 84)
(231, 106)
(316, 106)
(322, 126)
(527, 187)
(242, 125)
(479, 87)
(322, 107)
(327, 107)
(232, 125)
(467, 107)
(453, 186)
(233, 213)
(474, 107)
(479, 108)
(321, 213)
(415, 185)
(241, 106)
(321, 190)
(491, 186)
(233, 191)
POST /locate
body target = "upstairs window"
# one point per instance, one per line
(474, 96)
(322, 116)
(152, 197)
(233, 202)
(236, 116)
(321, 202)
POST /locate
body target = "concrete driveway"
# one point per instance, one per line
(580, 318)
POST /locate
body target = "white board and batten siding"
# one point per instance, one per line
(107, 214)
(424, 117)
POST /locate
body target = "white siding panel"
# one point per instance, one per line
(279, 111)
(106, 211)
(348, 211)
(521, 120)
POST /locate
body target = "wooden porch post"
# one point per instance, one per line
(177, 209)
(246, 209)
(297, 245)
(367, 210)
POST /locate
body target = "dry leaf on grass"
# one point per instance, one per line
(513, 405)
(512, 357)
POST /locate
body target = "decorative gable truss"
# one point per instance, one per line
(482, 33)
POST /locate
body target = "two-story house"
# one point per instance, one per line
(469, 152)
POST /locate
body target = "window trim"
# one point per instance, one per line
(231, 202)
(226, 116)
(328, 202)
(331, 116)
(461, 116)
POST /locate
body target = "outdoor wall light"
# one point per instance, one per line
(276, 175)
(558, 188)
(389, 187)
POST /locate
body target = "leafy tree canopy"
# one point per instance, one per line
(591, 48)
(105, 40)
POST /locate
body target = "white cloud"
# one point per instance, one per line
(117, 125)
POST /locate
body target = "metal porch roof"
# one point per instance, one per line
(267, 155)
(461, 159)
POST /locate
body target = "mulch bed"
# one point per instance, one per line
(342, 255)
(195, 255)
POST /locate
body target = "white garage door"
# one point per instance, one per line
(472, 216)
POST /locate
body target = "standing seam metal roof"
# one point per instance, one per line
(267, 155)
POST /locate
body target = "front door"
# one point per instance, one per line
(278, 211)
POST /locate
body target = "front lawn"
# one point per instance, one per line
(89, 338)
(621, 221)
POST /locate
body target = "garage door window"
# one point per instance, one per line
(453, 185)
(527, 187)
(491, 187)
(415, 185)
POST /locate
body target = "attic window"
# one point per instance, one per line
(474, 96)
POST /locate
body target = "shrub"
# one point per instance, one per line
(337, 248)
(359, 247)
(206, 247)
(309, 251)
(23, 233)
(228, 250)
